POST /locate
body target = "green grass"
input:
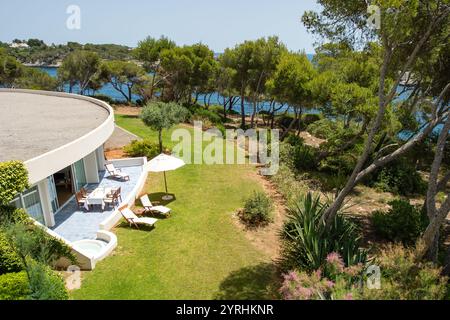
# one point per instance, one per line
(197, 253)
(136, 126)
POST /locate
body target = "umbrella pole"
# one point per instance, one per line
(165, 182)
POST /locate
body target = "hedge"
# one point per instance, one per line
(13, 180)
(9, 260)
(14, 286)
(10, 214)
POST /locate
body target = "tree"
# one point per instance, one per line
(289, 84)
(252, 63)
(204, 68)
(36, 79)
(36, 43)
(160, 116)
(10, 70)
(79, 68)
(123, 76)
(223, 79)
(346, 90)
(409, 32)
(149, 52)
(265, 59)
(188, 72)
(239, 59)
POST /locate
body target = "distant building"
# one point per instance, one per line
(19, 45)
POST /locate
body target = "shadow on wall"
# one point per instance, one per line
(257, 282)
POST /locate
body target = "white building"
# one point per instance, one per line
(19, 45)
(60, 139)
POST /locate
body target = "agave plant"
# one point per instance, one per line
(307, 240)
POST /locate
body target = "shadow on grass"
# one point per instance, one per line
(157, 199)
(142, 227)
(257, 282)
(129, 116)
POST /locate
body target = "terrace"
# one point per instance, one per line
(74, 224)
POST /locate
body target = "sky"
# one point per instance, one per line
(216, 23)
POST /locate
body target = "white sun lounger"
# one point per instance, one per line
(116, 173)
(149, 207)
(132, 219)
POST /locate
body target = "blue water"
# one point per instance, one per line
(106, 90)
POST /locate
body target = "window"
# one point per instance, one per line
(80, 175)
(31, 202)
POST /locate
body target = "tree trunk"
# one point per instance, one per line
(252, 122)
(152, 89)
(331, 212)
(160, 141)
(437, 216)
(291, 125)
(242, 109)
(130, 98)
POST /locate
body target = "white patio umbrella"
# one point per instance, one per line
(163, 163)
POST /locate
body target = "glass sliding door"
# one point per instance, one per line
(79, 175)
(53, 193)
(32, 204)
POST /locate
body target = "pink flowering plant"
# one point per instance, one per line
(334, 281)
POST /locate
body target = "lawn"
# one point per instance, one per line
(197, 253)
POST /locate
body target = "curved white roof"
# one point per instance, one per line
(49, 131)
(34, 124)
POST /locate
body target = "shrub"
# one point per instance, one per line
(287, 183)
(143, 148)
(257, 210)
(204, 115)
(14, 286)
(32, 242)
(297, 155)
(403, 222)
(294, 140)
(405, 277)
(310, 118)
(304, 157)
(306, 240)
(323, 128)
(11, 215)
(401, 178)
(341, 164)
(9, 260)
(45, 284)
(334, 282)
(13, 180)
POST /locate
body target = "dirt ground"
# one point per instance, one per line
(266, 239)
(127, 110)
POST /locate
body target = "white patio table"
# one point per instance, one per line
(97, 197)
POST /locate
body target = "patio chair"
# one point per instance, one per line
(80, 200)
(84, 193)
(149, 207)
(116, 173)
(132, 219)
(114, 198)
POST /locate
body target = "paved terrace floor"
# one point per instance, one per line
(75, 224)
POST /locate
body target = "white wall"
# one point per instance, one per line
(91, 168)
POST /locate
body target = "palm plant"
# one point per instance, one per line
(307, 240)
